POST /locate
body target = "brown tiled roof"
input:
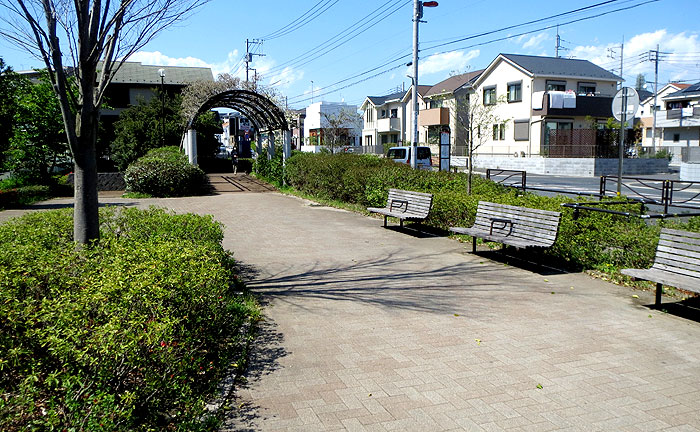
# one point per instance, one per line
(453, 83)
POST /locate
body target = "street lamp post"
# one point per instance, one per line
(161, 72)
(417, 15)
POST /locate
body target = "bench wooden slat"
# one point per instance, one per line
(528, 228)
(676, 263)
(405, 205)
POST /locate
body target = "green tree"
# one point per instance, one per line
(38, 144)
(139, 129)
(90, 39)
(9, 88)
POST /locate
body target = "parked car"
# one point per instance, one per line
(403, 155)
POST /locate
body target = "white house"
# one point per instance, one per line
(540, 96)
(384, 119)
(317, 119)
(677, 117)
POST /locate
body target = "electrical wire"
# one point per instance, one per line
(303, 20)
(346, 35)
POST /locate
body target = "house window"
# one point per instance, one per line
(394, 113)
(515, 91)
(495, 132)
(521, 130)
(553, 85)
(490, 95)
(676, 137)
(383, 114)
(436, 104)
(586, 88)
(368, 116)
(502, 131)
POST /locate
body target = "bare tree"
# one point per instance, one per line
(475, 121)
(336, 128)
(89, 39)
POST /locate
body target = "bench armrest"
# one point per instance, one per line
(399, 204)
(505, 223)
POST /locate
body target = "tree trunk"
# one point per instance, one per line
(86, 225)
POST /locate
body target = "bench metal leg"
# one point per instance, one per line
(659, 291)
(473, 244)
(400, 223)
(385, 221)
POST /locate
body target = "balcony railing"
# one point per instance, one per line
(594, 106)
(392, 124)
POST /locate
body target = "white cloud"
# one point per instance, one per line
(675, 64)
(159, 59)
(535, 41)
(446, 62)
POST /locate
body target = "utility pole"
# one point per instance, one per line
(611, 54)
(249, 55)
(417, 15)
(655, 59)
(558, 46)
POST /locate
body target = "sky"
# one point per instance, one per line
(343, 51)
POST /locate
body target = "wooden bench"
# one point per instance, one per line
(676, 264)
(405, 205)
(520, 227)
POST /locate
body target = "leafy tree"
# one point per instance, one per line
(641, 81)
(138, 129)
(90, 39)
(38, 144)
(9, 87)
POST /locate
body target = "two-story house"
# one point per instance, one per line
(677, 117)
(384, 119)
(442, 109)
(330, 118)
(537, 95)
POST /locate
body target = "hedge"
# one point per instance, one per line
(130, 334)
(593, 241)
(165, 172)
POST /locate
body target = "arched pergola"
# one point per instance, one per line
(264, 114)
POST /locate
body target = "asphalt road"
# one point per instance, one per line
(686, 194)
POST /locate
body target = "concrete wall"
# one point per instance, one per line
(580, 167)
(106, 181)
(690, 171)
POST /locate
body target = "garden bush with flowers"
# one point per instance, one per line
(133, 333)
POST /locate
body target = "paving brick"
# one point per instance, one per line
(353, 308)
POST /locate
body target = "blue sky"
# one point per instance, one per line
(363, 35)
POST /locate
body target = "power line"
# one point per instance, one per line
(359, 27)
(485, 42)
(303, 20)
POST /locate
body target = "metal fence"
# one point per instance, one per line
(587, 143)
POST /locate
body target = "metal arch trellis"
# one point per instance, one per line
(265, 115)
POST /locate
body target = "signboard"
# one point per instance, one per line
(444, 151)
(245, 124)
(627, 97)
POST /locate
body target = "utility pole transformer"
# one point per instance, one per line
(249, 55)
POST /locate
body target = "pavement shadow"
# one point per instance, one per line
(419, 230)
(55, 206)
(687, 309)
(268, 348)
(391, 282)
(531, 261)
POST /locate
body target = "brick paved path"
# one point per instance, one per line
(374, 329)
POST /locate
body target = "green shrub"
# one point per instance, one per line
(268, 168)
(165, 172)
(131, 334)
(592, 241)
(21, 196)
